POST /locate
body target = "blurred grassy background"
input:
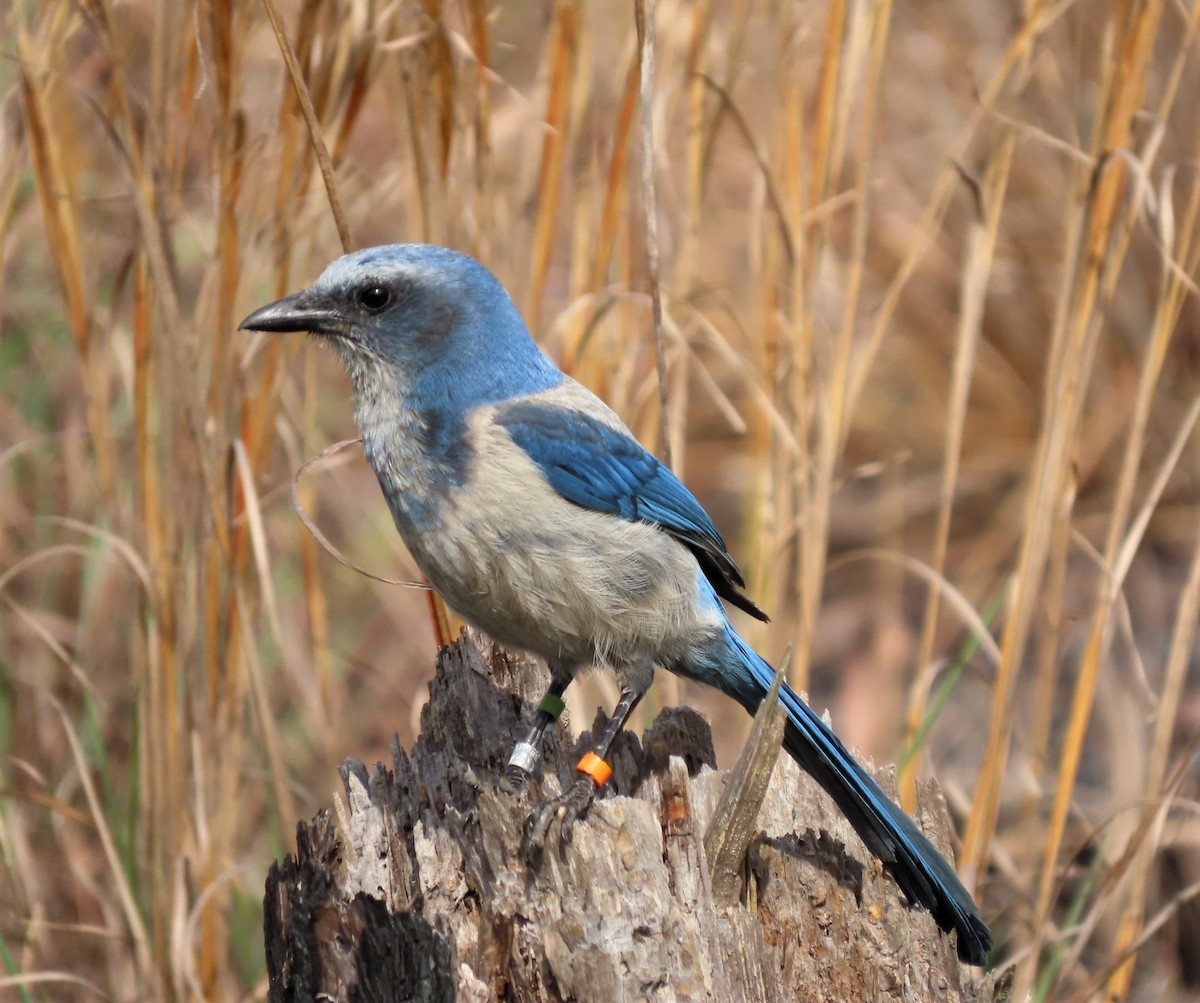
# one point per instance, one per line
(930, 321)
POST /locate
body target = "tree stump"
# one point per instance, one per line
(418, 890)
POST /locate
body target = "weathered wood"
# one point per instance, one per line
(417, 889)
(735, 818)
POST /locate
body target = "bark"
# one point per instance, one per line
(416, 888)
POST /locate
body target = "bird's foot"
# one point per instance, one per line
(568, 809)
(515, 781)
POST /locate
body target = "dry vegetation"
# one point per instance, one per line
(930, 325)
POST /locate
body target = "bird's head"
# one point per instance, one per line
(430, 321)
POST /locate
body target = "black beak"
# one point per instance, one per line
(292, 313)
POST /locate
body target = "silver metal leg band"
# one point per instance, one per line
(525, 756)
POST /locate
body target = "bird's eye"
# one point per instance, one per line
(373, 298)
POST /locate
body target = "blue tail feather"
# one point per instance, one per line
(920, 870)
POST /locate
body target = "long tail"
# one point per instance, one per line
(924, 875)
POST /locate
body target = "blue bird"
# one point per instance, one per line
(536, 514)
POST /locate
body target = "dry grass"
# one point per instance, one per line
(927, 279)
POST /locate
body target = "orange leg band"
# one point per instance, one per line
(596, 768)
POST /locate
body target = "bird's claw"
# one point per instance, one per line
(514, 781)
(567, 809)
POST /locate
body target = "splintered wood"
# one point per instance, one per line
(416, 888)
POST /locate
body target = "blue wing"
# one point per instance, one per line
(600, 468)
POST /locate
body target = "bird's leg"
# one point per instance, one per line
(528, 751)
(592, 773)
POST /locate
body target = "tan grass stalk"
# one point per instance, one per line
(357, 87)
(58, 204)
(1176, 290)
(162, 765)
(981, 246)
(50, 978)
(132, 916)
(1093, 987)
(482, 51)
(123, 133)
(958, 603)
(734, 41)
(285, 806)
(1075, 339)
(1102, 220)
(40, 101)
(561, 64)
(442, 72)
(315, 603)
(762, 161)
(825, 160)
(231, 140)
(645, 15)
(686, 265)
(864, 43)
(314, 126)
(1132, 922)
(1040, 16)
(616, 183)
(414, 106)
(1050, 469)
(799, 191)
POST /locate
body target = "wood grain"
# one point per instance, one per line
(416, 889)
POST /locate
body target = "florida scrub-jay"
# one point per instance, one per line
(537, 515)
